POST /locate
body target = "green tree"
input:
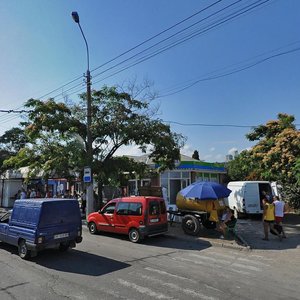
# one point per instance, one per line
(196, 155)
(57, 134)
(13, 140)
(243, 167)
(275, 157)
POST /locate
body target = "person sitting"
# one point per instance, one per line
(227, 221)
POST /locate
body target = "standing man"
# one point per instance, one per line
(269, 218)
(280, 209)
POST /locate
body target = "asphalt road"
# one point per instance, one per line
(165, 267)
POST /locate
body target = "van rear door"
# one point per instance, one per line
(157, 212)
(252, 198)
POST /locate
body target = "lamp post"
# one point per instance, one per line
(88, 179)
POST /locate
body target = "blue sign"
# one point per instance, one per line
(87, 177)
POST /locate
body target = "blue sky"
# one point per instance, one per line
(42, 49)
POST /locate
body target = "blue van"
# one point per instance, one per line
(35, 224)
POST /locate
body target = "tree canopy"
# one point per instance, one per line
(56, 139)
(275, 157)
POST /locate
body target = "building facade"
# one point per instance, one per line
(187, 171)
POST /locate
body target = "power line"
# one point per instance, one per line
(173, 44)
(129, 50)
(231, 72)
(236, 14)
(15, 111)
(214, 125)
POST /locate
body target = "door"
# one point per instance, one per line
(128, 214)
(4, 226)
(106, 218)
(252, 198)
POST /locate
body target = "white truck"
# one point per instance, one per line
(246, 196)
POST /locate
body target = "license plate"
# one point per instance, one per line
(154, 220)
(61, 235)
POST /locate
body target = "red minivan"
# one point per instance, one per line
(138, 217)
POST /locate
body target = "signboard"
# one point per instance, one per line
(87, 174)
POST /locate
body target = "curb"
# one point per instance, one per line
(243, 247)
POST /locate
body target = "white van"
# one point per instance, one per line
(246, 196)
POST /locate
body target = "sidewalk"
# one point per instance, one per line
(209, 236)
(252, 232)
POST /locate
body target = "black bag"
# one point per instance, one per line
(278, 228)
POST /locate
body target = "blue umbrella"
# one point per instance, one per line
(205, 190)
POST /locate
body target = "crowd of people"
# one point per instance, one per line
(32, 193)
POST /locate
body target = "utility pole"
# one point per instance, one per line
(88, 179)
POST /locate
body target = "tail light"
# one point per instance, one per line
(40, 240)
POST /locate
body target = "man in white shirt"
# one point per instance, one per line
(280, 209)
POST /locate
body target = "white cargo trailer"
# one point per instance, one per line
(246, 196)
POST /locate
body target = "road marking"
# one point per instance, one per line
(144, 290)
(115, 294)
(252, 268)
(203, 257)
(261, 257)
(228, 269)
(169, 274)
(253, 262)
(175, 287)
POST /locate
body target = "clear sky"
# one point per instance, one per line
(236, 65)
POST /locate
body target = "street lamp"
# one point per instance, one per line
(89, 179)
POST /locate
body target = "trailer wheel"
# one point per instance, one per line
(190, 225)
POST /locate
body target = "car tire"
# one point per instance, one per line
(134, 235)
(190, 225)
(93, 228)
(24, 253)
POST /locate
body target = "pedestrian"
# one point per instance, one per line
(83, 201)
(227, 221)
(23, 194)
(269, 219)
(32, 194)
(280, 209)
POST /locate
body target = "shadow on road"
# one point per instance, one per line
(73, 261)
(169, 240)
(79, 262)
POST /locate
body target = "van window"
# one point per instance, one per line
(129, 208)
(153, 208)
(109, 209)
(162, 207)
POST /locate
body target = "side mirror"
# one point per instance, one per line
(99, 211)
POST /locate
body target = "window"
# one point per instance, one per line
(129, 208)
(109, 209)
(153, 208)
(162, 207)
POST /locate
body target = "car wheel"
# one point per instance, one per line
(134, 235)
(93, 228)
(190, 225)
(24, 253)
